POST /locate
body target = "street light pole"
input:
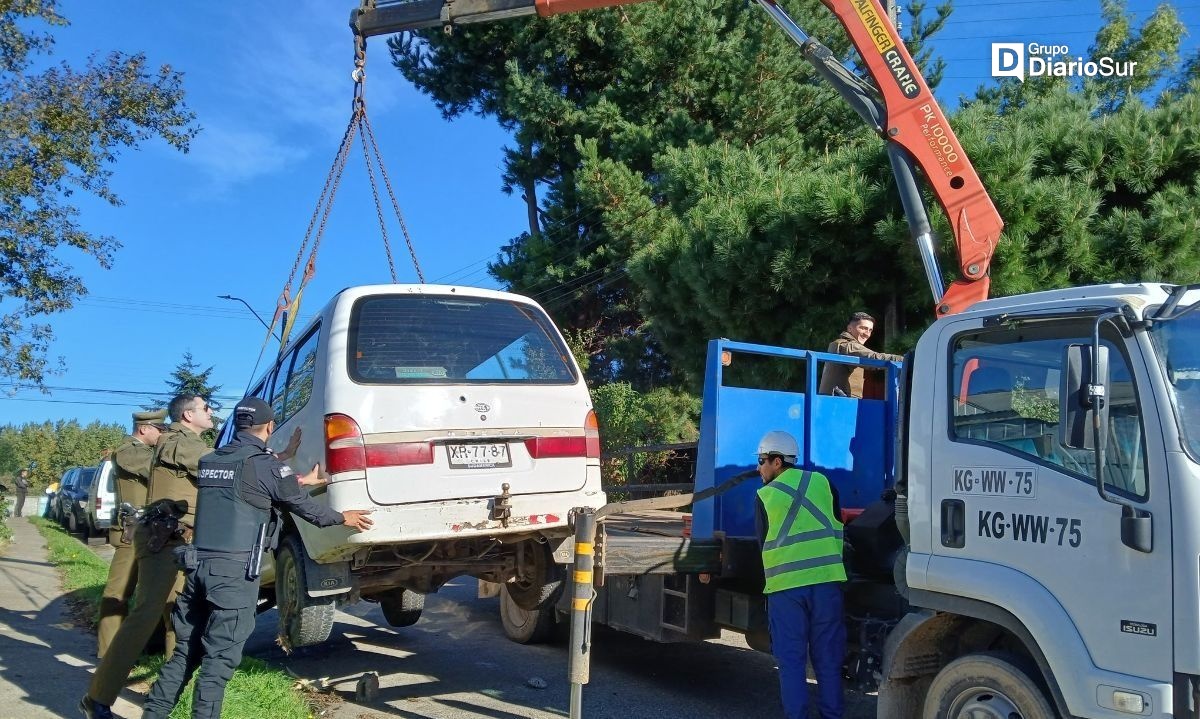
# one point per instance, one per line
(256, 316)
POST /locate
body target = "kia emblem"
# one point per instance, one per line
(481, 407)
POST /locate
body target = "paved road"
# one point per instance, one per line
(456, 662)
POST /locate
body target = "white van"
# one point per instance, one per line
(460, 417)
(102, 500)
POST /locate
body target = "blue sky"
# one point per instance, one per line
(269, 82)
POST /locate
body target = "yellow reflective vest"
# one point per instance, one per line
(803, 544)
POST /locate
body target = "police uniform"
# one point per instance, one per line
(131, 469)
(242, 485)
(172, 481)
(801, 540)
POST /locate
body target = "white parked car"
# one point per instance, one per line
(460, 417)
(102, 500)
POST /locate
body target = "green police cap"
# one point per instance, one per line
(154, 417)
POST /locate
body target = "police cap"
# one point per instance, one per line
(153, 417)
(250, 412)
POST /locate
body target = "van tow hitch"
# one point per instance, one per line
(502, 506)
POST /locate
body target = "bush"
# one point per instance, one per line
(629, 418)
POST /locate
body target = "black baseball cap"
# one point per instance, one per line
(250, 412)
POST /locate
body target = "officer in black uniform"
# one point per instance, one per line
(242, 486)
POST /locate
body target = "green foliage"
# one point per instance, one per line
(56, 447)
(629, 418)
(698, 180)
(64, 128)
(188, 378)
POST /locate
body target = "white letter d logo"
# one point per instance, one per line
(1008, 60)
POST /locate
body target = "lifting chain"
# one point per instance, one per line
(287, 306)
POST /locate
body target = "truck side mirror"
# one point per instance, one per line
(1083, 403)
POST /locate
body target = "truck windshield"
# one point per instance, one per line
(1178, 342)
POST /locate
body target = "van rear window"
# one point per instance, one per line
(404, 339)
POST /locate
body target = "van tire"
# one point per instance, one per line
(524, 626)
(542, 583)
(401, 607)
(303, 620)
(985, 685)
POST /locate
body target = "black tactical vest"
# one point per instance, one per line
(224, 521)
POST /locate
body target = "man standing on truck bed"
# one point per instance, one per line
(801, 541)
(131, 469)
(241, 487)
(847, 380)
(166, 524)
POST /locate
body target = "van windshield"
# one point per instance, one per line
(403, 339)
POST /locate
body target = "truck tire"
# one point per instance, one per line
(525, 626)
(986, 686)
(303, 620)
(542, 581)
(402, 607)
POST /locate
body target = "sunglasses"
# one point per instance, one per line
(767, 458)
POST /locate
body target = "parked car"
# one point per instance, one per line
(102, 499)
(460, 417)
(72, 498)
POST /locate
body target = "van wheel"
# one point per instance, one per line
(401, 607)
(524, 626)
(986, 686)
(303, 620)
(541, 581)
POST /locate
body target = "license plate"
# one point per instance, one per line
(478, 456)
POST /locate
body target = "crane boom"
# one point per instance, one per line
(899, 106)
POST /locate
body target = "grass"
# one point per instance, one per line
(256, 691)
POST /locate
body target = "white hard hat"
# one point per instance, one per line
(779, 442)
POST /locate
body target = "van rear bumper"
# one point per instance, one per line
(472, 518)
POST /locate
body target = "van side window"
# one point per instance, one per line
(300, 379)
(294, 378)
(1006, 394)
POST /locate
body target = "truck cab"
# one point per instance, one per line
(1089, 589)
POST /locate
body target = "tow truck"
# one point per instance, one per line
(1020, 493)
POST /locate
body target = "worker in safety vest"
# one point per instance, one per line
(801, 539)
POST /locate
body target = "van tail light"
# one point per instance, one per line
(346, 451)
(98, 502)
(587, 445)
(344, 448)
(591, 434)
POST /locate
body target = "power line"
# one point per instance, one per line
(99, 390)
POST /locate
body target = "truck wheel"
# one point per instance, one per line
(524, 626)
(401, 607)
(986, 686)
(539, 585)
(303, 620)
(72, 524)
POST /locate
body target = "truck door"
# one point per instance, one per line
(1015, 497)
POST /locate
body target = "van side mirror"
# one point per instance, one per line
(1083, 402)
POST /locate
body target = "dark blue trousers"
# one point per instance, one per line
(807, 623)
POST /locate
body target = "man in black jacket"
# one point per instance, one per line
(241, 488)
(22, 488)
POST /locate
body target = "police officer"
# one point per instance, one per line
(801, 540)
(22, 483)
(166, 524)
(131, 469)
(242, 485)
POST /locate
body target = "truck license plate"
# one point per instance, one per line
(478, 456)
